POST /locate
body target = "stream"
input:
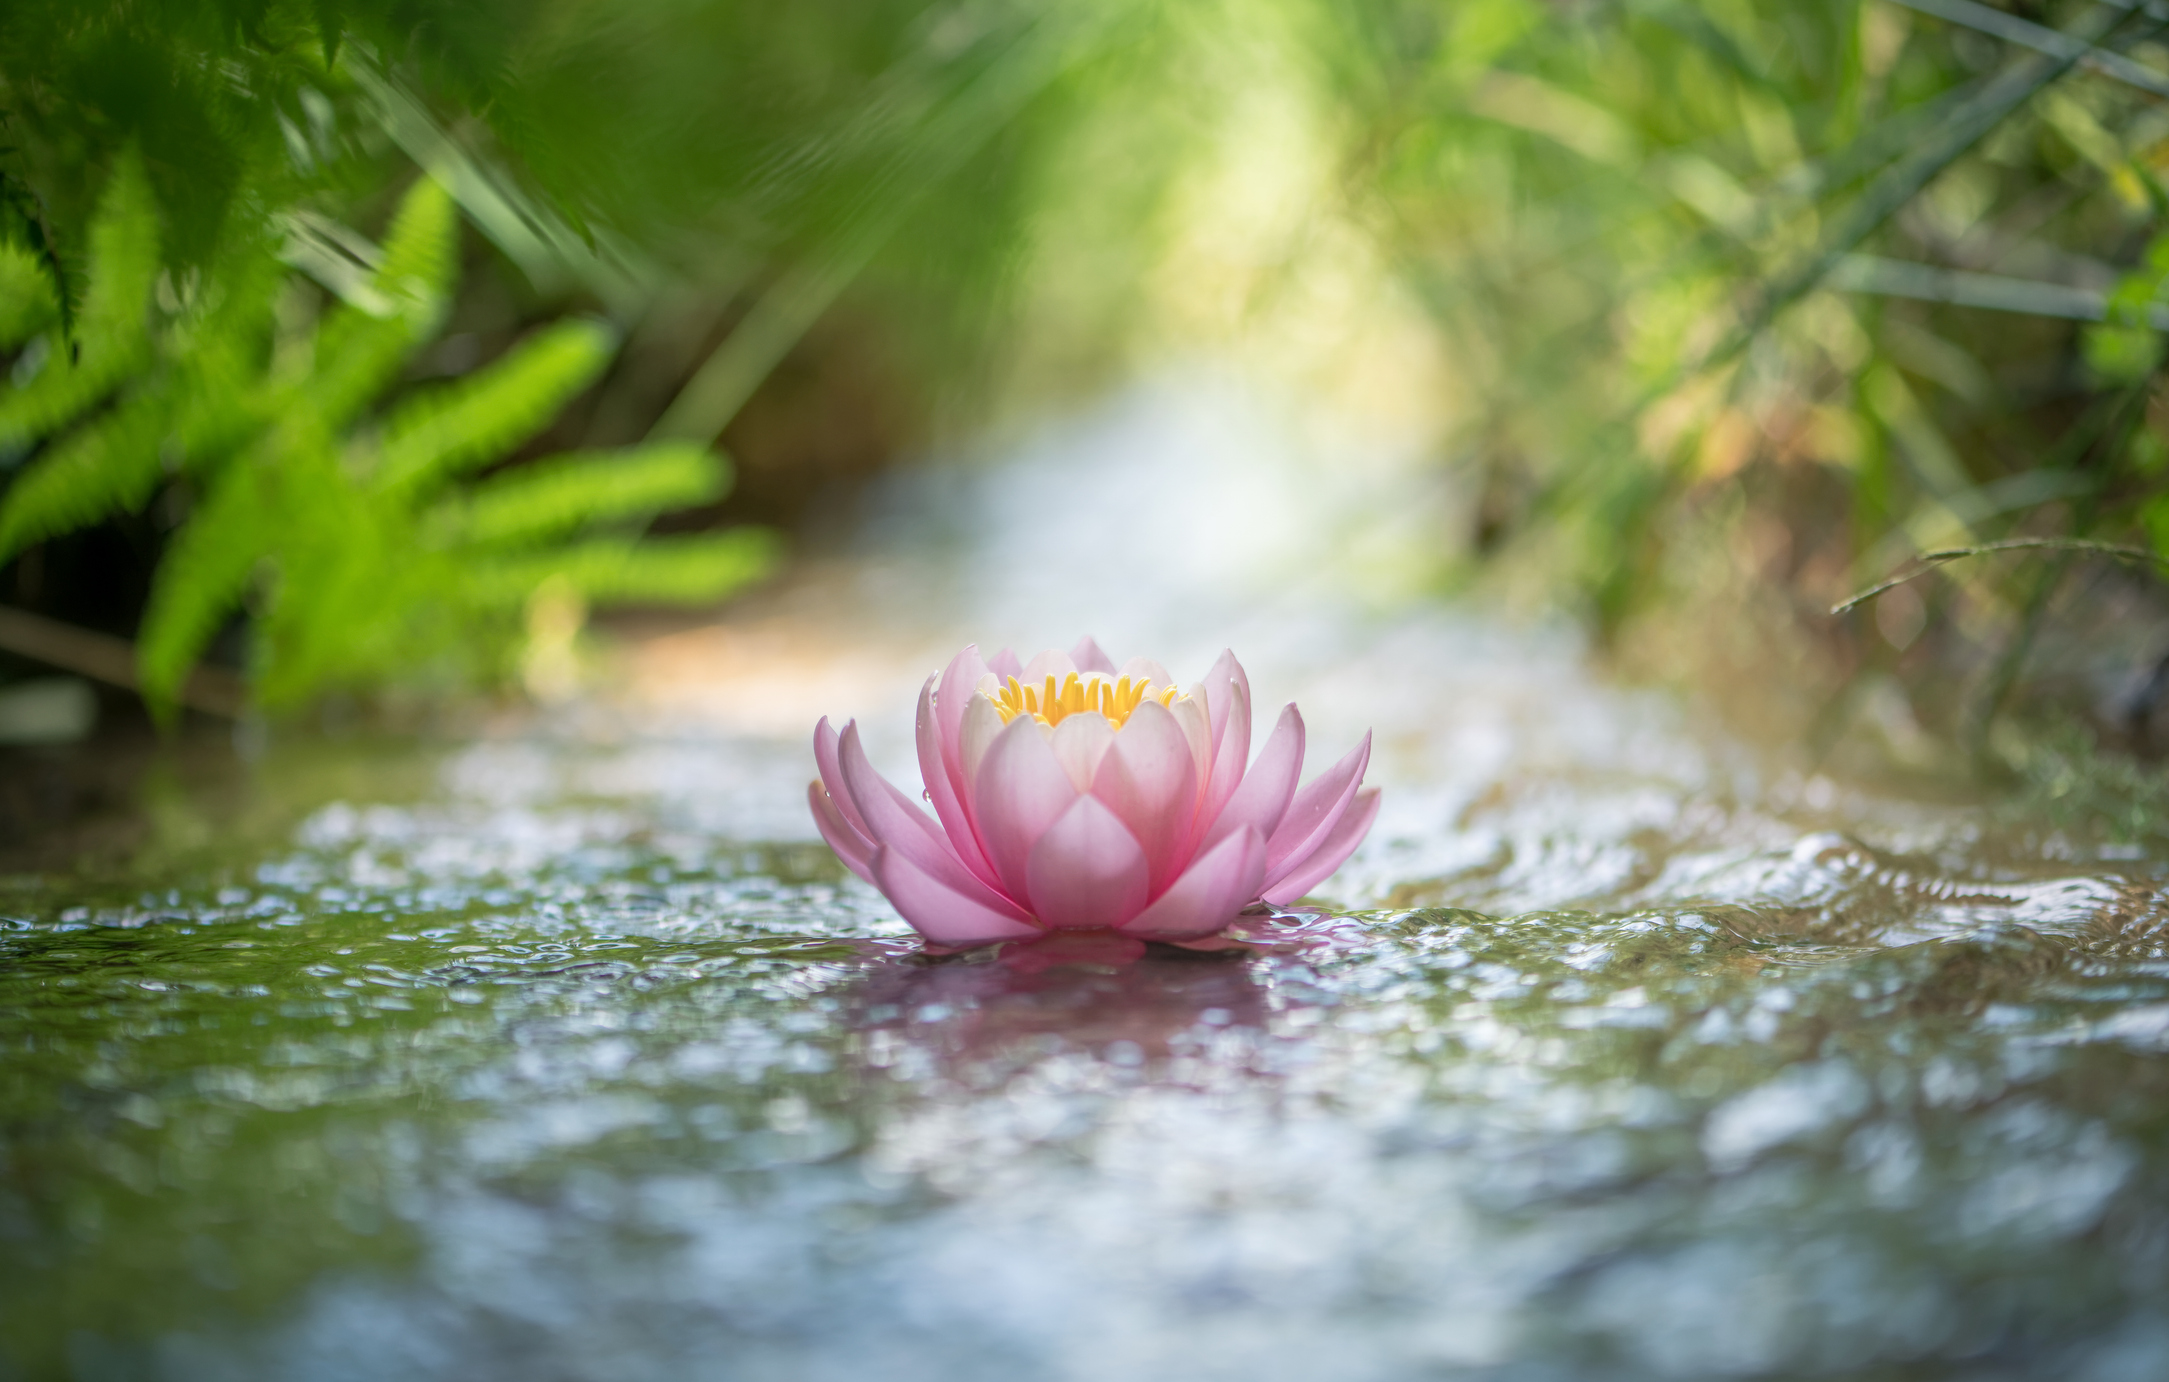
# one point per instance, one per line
(569, 1052)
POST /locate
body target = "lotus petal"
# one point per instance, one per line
(941, 776)
(856, 851)
(1089, 658)
(824, 758)
(1149, 780)
(900, 826)
(1315, 809)
(1218, 885)
(1262, 797)
(1332, 852)
(1021, 789)
(1080, 742)
(1004, 664)
(1051, 663)
(1087, 870)
(941, 915)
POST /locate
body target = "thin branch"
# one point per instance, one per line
(1931, 560)
(105, 658)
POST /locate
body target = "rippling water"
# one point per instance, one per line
(1638, 1054)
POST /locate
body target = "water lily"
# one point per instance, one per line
(1071, 795)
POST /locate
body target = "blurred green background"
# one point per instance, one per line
(362, 350)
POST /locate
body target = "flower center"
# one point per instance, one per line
(1051, 704)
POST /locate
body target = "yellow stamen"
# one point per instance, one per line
(1050, 704)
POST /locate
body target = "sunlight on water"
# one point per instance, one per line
(1649, 1055)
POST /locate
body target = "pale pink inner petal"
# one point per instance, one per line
(1149, 780)
(1315, 808)
(1196, 726)
(1262, 797)
(1087, 870)
(1004, 664)
(1089, 658)
(854, 849)
(1225, 678)
(1051, 663)
(940, 914)
(1079, 743)
(1300, 876)
(1139, 669)
(1216, 886)
(1021, 789)
(824, 758)
(941, 779)
(981, 723)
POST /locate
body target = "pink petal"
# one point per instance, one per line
(1020, 790)
(1221, 683)
(1149, 780)
(1230, 745)
(981, 723)
(1261, 798)
(958, 682)
(941, 775)
(1139, 669)
(937, 913)
(1332, 852)
(1080, 742)
(898, 825)
(856, 851)
(1210, 892)
(824, 758)
(1089, 658)
(1087, 870)
(1051, 663)
(1004, 664)
(1315, 809)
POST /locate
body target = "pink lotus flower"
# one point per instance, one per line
(1070, 795)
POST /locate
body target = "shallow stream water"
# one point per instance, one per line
(1641, 1053)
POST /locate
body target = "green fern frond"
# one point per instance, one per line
(358, 353)
(661, 570)
(112, 340)
(203, 579)
(27, 303)
(552, 497)
(110, 466)
(461, 426)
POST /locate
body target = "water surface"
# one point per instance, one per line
(567, 1053)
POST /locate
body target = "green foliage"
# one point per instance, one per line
(358, 539)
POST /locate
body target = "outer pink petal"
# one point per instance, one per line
(941, 775)
(1149, 780)
(1210, 892)
(856, 851)
(1020, 791)
(1229, 709)
(958, 681)
(1262, 797)
(1004, 664)
(898, 825)
(824, 757)
(1315, 809)
(1222, 685)
(1088, 870)
(1089, 658)
(937, 913)
(1332, 852)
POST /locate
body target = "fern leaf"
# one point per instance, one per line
(201, 581)
(689, 570)
(27, 303)
(360, 354)
(562, 493)
(113, 340)
(108, 467)
(468, 424)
